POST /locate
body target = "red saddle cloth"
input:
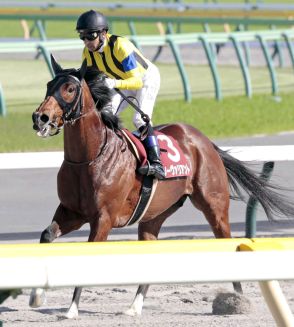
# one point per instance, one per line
(172, 157)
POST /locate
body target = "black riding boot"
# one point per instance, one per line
(154, 166)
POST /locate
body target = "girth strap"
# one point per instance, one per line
(149, 186)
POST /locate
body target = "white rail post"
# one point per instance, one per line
(277, 303)
(270, 289)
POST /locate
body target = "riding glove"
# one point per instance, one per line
(110, 83)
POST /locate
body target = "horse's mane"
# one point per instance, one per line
(102, 96)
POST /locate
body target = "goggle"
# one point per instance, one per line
(90, 36)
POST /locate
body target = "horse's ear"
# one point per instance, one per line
(83, 69)
(56, 67)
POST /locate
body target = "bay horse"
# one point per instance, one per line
(98, 183)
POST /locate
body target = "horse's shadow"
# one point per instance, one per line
(197, 314)
(61, 312)
(7, 309)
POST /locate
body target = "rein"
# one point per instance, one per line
(72, 111)
(72, 119)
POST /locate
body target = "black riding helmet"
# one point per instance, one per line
(92, 21)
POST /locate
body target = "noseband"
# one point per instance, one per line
(72, 111)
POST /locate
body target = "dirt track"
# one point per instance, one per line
(165, 305)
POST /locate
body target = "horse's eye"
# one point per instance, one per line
(68, 91)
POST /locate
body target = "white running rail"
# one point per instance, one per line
(54, 159)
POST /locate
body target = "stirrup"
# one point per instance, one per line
(154, 169)
(144, 170)
(158, 171)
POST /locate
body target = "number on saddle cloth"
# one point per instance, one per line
(174, 162)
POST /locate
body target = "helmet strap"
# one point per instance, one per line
(101, 41)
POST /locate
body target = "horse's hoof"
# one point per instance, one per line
(132, 312)
(72, 312)
(37, 298)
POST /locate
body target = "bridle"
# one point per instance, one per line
(71, 110)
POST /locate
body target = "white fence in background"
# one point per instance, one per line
(54, 159)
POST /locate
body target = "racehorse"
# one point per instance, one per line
(98, 183)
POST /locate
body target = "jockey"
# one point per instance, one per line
(127, 70)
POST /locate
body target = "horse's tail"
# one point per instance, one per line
(266, 193)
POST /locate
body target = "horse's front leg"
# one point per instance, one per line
(147, 231)
(64, 221)
(99, 232)
(37, 297)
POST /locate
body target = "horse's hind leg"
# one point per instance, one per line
(138, 302)
(149, 231)
(73, 310)
(63, 222)
(212, 198)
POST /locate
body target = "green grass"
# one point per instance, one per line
(234, 116)
(17, 135)
(24, 84)
(24, 81)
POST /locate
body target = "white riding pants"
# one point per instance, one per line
(145, 96)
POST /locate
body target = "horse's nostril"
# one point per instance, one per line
(44, 118)
(34, 117)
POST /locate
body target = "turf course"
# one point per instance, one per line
(24, 84)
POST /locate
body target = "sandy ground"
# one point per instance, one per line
(165, 305)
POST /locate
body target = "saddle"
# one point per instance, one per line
(172, 157)
(173, 160)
